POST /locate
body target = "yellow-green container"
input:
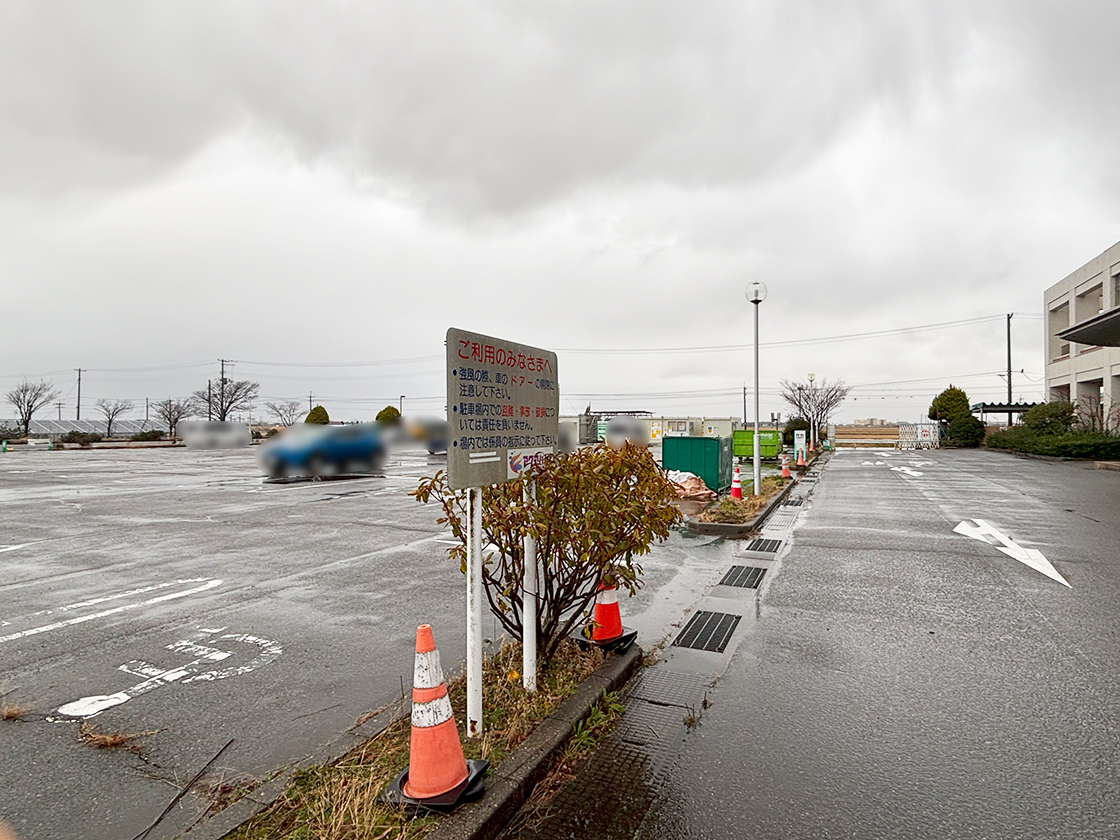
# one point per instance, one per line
(742, 443)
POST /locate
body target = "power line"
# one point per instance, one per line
(722, 348)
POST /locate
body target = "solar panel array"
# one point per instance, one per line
(121, 428)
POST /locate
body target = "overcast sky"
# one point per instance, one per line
(297, 184)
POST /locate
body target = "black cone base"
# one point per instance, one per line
(619, 644)
(470, 788)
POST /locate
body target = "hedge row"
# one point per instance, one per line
(1070, 445)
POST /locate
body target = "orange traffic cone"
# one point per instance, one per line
(785, 467)
(606, 630)
(736, 486)
(437, 777)
(811, 449)
(800, 457)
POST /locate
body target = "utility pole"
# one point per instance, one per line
(1009, 314)
(744, 406)
(78, 416)
(209, 402)
(145, 409)
(308, 402)
(59, 404)
(222, 391)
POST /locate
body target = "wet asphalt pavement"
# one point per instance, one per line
(277, 614)
(891, 678)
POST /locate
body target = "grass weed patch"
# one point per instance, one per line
(338, 800)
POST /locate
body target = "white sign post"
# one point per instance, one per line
(799, 444)
(503, 406)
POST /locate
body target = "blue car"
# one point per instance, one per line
(310, 449)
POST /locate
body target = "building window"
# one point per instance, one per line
(1116, 289)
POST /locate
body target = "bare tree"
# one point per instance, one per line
(227, 396)
(287, 413)
(1090, 415)
(112, 409)
(814, 402)
(29, 397)
(172, 411)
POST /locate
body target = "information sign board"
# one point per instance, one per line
(799, 436)
(503, 408)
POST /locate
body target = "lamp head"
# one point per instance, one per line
(756, 292)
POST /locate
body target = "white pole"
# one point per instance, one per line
(757, 458)
(474, 613)
(529, 607)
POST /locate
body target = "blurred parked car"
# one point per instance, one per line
(214, 434)
(430, 431)
(311, 449)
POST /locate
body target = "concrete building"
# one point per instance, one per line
(1087, 374)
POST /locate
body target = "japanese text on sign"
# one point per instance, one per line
(502, 408)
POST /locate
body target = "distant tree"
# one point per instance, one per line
(227, 396)
(286, 413)
(815, 402)
(112, 409)
(964, 430)
(949, 404)
(389, 415)
(317, 415)
(1050, 418)
(172, 411)
(793, 425)
(29, 397)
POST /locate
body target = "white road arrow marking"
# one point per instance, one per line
(906, 470)
(1027, 556)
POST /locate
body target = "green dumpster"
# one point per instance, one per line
(707, 457)
(742, 443)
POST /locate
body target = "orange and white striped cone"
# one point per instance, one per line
(736, 486)
(606, 630)
(438, 777)
(800, 457)
(785, 467)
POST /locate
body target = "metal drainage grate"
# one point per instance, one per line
(708, 631)
(763, 546)
(744, 577)
(793, 503)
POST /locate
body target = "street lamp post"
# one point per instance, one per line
(812, 420)
(756, 294)
(400, 410)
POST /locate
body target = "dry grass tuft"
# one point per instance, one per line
(740, 511)
(13, 711)
(89, 734)
(339, 800)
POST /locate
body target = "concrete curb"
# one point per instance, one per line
(509, 785)
(734, 531)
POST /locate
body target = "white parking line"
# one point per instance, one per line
(81, 619)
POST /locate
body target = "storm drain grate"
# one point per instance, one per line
(763, 546)
(744, 577)
(793, 503)
(708, 631)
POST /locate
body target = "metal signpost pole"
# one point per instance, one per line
(474, 612)
(503, 405)
(529, 605)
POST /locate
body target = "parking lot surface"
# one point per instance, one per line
(178, 593)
